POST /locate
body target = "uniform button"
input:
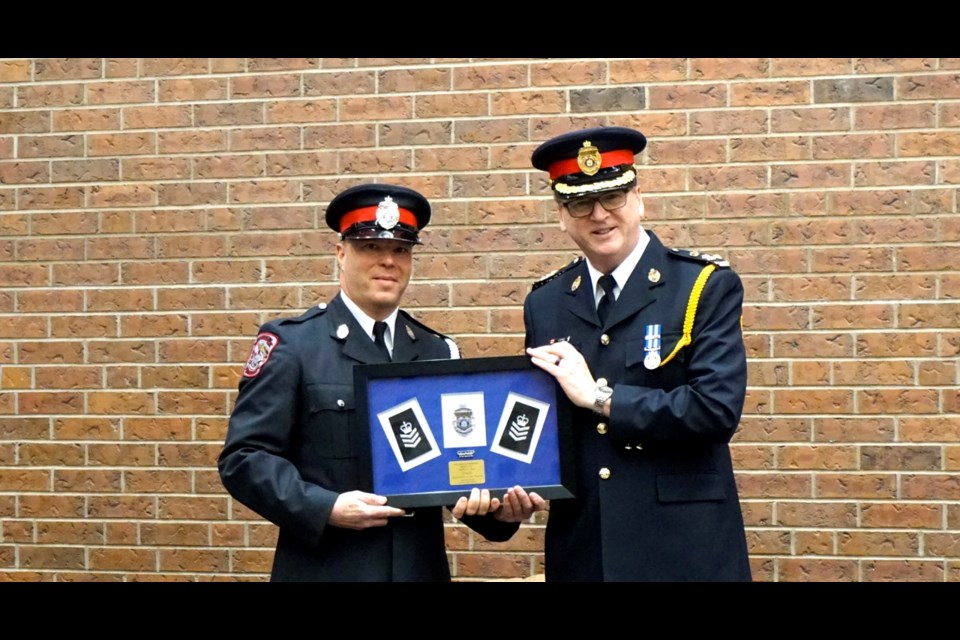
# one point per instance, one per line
(604, 339)
(628, 447)
(602, 428)
(601, 382)
(638, 447)
(604, 473)
(341, 403)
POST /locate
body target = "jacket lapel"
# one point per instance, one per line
(406, 340)
(579, 298)
(644, 285)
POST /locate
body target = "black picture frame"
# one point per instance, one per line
(435, 429)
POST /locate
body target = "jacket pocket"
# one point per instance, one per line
(690, 487)
(330, 416)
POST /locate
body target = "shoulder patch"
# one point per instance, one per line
(556, 274)
(703, 258)
(263, 346)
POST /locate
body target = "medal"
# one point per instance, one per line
(651, 346)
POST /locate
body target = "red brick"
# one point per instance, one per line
(194, 298)
(46, 69)
(929, 86)
(50, 197)
(266, 138)
(902, 571)
(397, 107)
(769, 93)
(473, 565)
(817, 345)
(774, 485)
(175, 376)
(883, 372)
(267, 86)
(206, 350)
(797, 176)
(49, 506)
(280, 64)
(567, 73)
(896, 344)
(231, 323)
(816, 543)
(895, 116)
(154, 272)
(230, 166)
(817, 514)
(870, 543)
(897, 401)
(936, 373)
(313, 110)
(896, 458)
(174, 66)
(123, 377)
(729, 122)
(803, 402)
(816, 119)
(120, 67)
(74, 377)
(830, 457)
(491, 131)
(86, 428)
(856, 485)
(481, 346)
(949, 114)
(142, 325)
(188, 194)
(120, 300)
(700, 96)
(18, 480)
(754, 429)
(120, 402)
(414, 80)
(886, 515)
(192, 89)
(851, 259)
(767, 318)
(15, 71)
(58, 352)
(853, 316)
(769, 148)
(51, 557)
(810, 288)
(191, 246)
(120, 92)
(16, 378)
(727, 177)
(853, 146)
(339, 83)
(768, 542)
(157, 428)
(191, 141)
(486, 77)
(941, 544)
(949, 171)
(940, 143)
(120, 559)
(791, 67)
(252, 561)
(49, 95)
(87, 480)
(157, 481)
(746, 457)
(192, 508)
(514, 102)
(888, 65)
(919, 487)
(175, 534)
(189, 455)
(931, 315)
(121, 454)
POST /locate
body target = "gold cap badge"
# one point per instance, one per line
(575, 285)
(588, 158)
(410, 333)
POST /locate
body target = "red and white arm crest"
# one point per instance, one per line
(263, 346)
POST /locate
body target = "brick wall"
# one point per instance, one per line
(153, 212)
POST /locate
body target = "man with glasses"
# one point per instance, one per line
(292, 452)
(646, 342)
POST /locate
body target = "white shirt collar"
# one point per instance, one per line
(622, 273)
(366, 322)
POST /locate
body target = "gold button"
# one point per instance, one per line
(638, 447)
(604, 339)
(627, 447)
(604, 473)
(341, 403)
(601, 382)
(602, 428)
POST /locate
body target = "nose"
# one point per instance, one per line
(598, 213)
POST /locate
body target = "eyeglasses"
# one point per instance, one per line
(583, 207)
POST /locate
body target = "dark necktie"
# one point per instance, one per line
(607, 301)
(379, 327)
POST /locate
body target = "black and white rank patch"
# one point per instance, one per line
(263, 346)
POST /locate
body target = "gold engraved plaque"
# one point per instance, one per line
(469, 472)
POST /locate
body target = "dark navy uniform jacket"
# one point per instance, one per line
(655, 496)
(292, 447)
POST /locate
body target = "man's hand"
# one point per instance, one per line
(517, 505)
(566, 364)
(360, 510)
(478, 504)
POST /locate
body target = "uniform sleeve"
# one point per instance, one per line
(254, 464)
(707, 406)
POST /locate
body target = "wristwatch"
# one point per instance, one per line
(603, 393)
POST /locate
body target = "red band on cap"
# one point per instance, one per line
(369, 214)
(607, 159)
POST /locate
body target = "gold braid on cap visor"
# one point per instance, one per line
(564, 189)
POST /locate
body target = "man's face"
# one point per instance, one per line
(606, 237)
(375, 273)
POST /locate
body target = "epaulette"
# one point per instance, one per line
(309, 313)
(556, 274)
(705, 258)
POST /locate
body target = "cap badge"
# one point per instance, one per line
(588, 159)
(653, 276)
(343, 331)
(388, 213)
(575, 285)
